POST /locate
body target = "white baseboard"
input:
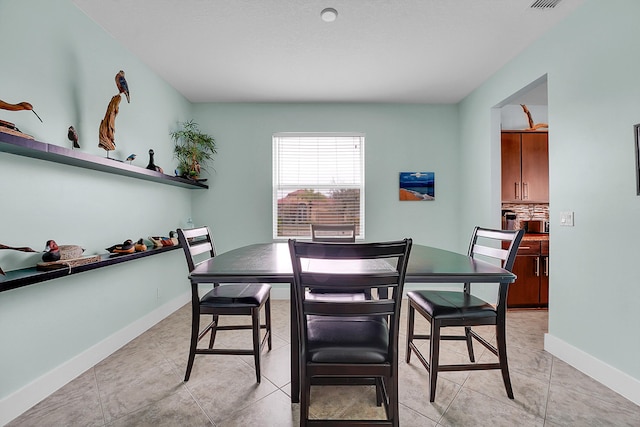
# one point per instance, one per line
(29, 395)
(616, 380)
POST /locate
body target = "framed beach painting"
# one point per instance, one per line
(417, 186)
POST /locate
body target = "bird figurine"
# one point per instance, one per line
(140, 245)
(51, 252)
(21, 249)
(131, 158)
(73, 136)
(123, 87)
(127, 247)
(152, 166)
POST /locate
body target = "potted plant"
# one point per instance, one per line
(193, 149)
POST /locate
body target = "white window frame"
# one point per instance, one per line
(277, 187)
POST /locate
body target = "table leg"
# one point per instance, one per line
(295, 347)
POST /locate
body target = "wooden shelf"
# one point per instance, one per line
(29, 276)
(21, 146)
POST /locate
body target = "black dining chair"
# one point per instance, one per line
(240, 299)
(351, 341)
(336, 233)
(461, 308)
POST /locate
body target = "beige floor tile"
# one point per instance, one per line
(470, 408)
(178, 409)
(141, 384)
(77, 403)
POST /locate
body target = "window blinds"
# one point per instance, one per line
(317, 178)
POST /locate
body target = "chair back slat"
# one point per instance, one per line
(497, 244)
(194, 242)
(326, 233)
(498, 253)
(360, 308)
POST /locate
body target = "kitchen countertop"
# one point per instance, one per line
(539, 237)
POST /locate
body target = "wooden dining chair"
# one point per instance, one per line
(349, 341)
(462, 308)
(241, 299)
(336, 233)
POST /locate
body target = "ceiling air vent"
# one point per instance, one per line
(545, 4)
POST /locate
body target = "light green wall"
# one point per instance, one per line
(65, 65)
(592, 61)
(398, 138)
(57, 59)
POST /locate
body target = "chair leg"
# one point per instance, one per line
(379, 392)
(255, 320)
(195, 330)
(434, 358)
(467, 333)
(501, 340)
(214, 329)
(305, 398)
(267, 319)
(410, 324)
(394, 407)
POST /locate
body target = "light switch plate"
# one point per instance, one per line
(566, 218)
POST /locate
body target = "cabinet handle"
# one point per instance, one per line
(537, 266)
(546, 266)
(525, 194)
(517, 192)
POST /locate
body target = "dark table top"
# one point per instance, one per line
(271, 262)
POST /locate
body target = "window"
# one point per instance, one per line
(317, 178)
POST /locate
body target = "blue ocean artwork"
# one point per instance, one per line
(417, 186)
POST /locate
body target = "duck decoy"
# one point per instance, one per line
(127, 247)
(51, 252)
(140, 245)
(152, 165)
(21, 249)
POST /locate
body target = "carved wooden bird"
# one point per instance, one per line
(73, 136)
(121, 82)
(131, 158)
(152, 165)
(51, 252)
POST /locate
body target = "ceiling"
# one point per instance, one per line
(398, 51)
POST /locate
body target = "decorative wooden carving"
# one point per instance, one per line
(532, 126)
(108, 125)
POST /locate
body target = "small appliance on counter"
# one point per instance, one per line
(535, 226)
(508, 219)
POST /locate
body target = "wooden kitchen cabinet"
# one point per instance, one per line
(525, 167)
(531, 288)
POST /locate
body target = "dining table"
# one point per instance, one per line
(271, 263)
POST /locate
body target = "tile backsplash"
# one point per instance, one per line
(528, 211)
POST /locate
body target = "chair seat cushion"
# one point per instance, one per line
(241, 294)
(354, 340)
(452, 304)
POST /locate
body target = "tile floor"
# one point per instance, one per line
(141, 385)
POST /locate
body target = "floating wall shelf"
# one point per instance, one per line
(54, 153)
(29, 276)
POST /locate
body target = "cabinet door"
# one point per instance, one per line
(525, 291)
(544, 273)
(510, 159)
(544, 280)
(535, 167)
